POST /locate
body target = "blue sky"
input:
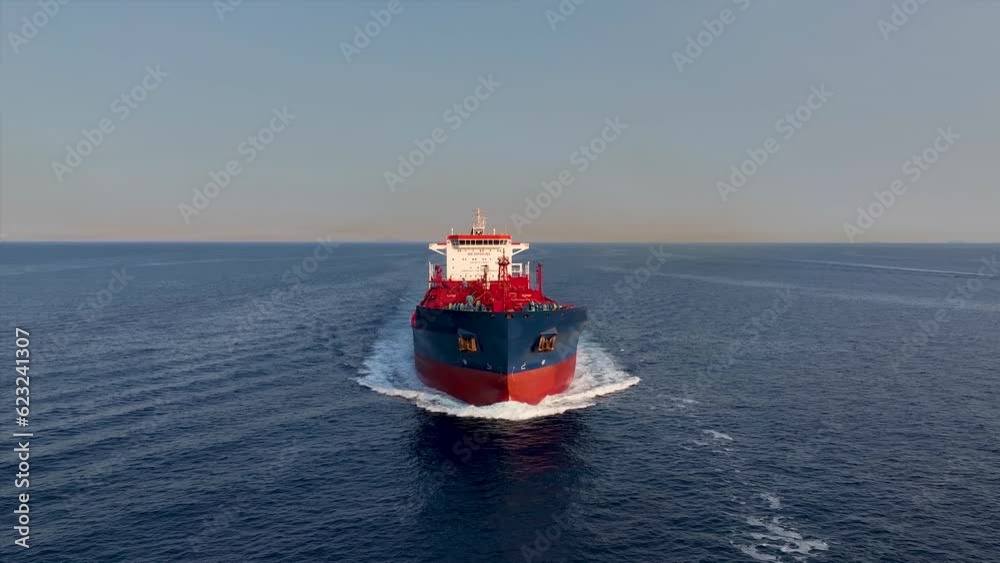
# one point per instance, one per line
(324, 174)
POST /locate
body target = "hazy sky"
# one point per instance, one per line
(220, 80)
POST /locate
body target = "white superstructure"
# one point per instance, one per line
(468, 257)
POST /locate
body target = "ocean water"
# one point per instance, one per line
(247, 402)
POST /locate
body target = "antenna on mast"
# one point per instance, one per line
(478, 222)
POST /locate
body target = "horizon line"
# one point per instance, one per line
(400, 241)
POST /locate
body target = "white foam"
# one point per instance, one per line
(789, 540)
(681, 400)
(772, 499)
(804, 547)
(774, 528)
(719, 435)
(751, 551)
(389, 370)
(882, 267)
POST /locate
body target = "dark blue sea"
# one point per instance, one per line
(256, 402)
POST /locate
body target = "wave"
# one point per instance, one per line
(861, 265)
(718, 435)
(215, 261)
(766, 538)
(767, 284)
(780, 539)
(773, 500)
(389, 370)
(981, 306)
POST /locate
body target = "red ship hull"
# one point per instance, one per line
(482, 388)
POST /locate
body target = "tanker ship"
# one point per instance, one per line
(483, 333)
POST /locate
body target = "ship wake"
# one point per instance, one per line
(389, 370)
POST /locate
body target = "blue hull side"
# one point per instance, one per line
(505, 346)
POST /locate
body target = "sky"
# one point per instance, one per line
(696, 90)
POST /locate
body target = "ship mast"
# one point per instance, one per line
(478, 222)
(503, 278)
